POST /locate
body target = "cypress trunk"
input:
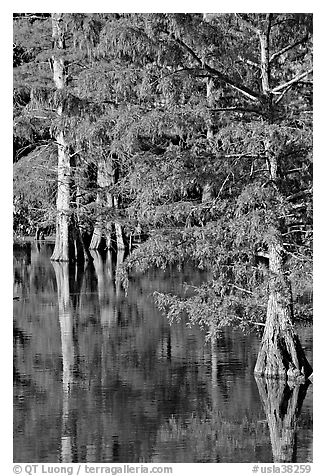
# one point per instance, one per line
(61, 249)
(105, 199)
(281, 354)
(97, 232)
(68, 242)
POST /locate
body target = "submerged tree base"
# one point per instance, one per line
(281, 355)
(70, 246)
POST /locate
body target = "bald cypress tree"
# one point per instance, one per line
(257, 162)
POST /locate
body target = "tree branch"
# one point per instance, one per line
(237, 109)
(287, 48)
(279, 99)
(291, 82)
(242, 289)
(249, 93)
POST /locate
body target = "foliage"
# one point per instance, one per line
(34, 191)
(137, 95)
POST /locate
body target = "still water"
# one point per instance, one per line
(102, 377)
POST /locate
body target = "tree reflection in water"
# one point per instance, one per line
(282, 404)
(106, 289)
(103, 377)
(68, 354)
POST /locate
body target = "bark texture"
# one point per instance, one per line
(61, 249)
(281, 354)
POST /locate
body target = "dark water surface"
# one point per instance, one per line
(103, 377)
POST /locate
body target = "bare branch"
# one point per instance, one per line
(279, 99)
(242, 289)
(214, 72)
(291, 82)
(288, 47)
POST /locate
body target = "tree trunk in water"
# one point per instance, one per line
(68, 242)
(281, 354)
(97, 233)
(282, 406)
(96, 238)
(61, 249)
(119, 236)
(105, 179)
(120, 257)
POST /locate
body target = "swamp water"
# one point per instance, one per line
(103, 377)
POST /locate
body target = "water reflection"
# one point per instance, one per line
(102, 377)
(68, 354)
(282, 405)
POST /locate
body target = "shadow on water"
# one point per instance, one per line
(102, 377)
